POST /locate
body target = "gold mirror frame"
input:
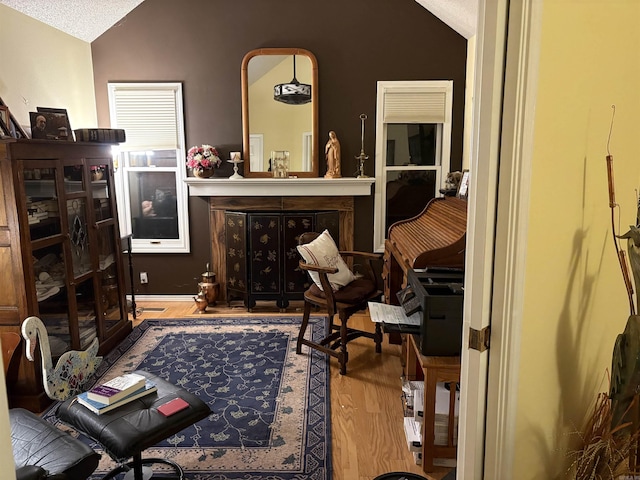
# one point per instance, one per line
(245, 109)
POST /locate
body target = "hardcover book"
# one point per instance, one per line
(102, 135)
(100, 408)
(173, 406)
(116, 388)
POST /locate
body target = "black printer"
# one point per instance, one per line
(437, 293)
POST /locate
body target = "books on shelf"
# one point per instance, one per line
(117, 388)
(103, 135)
(100, 408)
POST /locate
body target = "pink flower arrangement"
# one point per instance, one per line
(204, 156)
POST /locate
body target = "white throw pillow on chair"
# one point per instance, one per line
(323, 252)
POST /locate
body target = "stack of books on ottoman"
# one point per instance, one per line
(116, 392)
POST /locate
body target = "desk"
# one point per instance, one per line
(434, 369)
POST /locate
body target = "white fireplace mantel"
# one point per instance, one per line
(279, 187)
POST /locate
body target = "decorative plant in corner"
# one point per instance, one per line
(610, 441)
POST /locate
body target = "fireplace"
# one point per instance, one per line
(253, 194)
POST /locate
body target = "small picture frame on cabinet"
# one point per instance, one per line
(14, 128)
(50, 124)
(5, 121)
(463, 188)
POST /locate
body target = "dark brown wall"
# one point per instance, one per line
(201, 43)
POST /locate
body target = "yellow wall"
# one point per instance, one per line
(575, 301)
(43, 67)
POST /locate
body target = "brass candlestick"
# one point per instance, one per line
(363, 156)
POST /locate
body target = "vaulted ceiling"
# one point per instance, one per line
(88, 19)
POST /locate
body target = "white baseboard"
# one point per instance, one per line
(162, 298)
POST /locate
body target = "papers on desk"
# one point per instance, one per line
(392, 315)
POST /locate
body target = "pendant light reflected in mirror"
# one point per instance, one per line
(294, 92)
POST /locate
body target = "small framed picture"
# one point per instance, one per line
(463, 189)
(5, 121)
(50, 124)
(15, 129)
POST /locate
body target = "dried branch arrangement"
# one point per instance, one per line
(604, 448)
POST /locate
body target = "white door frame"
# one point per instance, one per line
(502, 145)
(256, 147)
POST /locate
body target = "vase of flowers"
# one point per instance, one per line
(202, 160)
(97, 172)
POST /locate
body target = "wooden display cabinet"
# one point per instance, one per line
(60, 256)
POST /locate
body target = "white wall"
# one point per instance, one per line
(44, 67)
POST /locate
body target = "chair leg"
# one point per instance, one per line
(303, 327)
(343, 357)
(377, 338)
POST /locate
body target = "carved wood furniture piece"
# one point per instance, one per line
(262, 260)
(219, 205)
(435, 237)
(60, 255)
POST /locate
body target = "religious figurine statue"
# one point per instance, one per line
(332, 152)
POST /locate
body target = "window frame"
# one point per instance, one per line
(122, 154)
(438, 113)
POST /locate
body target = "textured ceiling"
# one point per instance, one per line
(461, 15)
(84, 19)
(88, 19)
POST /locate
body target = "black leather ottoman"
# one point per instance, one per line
(127, 431)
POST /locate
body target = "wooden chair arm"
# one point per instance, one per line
(316, 268)
(369, 255)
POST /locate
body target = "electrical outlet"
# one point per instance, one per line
(143, 277)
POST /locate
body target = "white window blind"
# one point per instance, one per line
(149, 117)
(415, 106)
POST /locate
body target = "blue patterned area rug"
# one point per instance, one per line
(271, 417)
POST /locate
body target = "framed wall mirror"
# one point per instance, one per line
(288, 124)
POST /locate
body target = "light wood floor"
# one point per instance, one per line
(366, 407)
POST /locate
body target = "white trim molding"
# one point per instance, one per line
(279, 187)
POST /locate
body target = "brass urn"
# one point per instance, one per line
(201, 302)
(209, 286)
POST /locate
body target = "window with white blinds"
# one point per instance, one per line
(151, 194)
(413, 105)
(149, 115)
(413, 146)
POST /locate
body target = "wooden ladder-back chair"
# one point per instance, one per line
(344, 302)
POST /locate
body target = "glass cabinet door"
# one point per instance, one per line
(42, 202)
(73, 178)
(79, 236)
(52, 296)
(100, 192)
(86, 308)
(109, 289)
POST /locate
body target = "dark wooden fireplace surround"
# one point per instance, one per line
(218, 206)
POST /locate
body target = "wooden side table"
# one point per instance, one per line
(435, 370)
